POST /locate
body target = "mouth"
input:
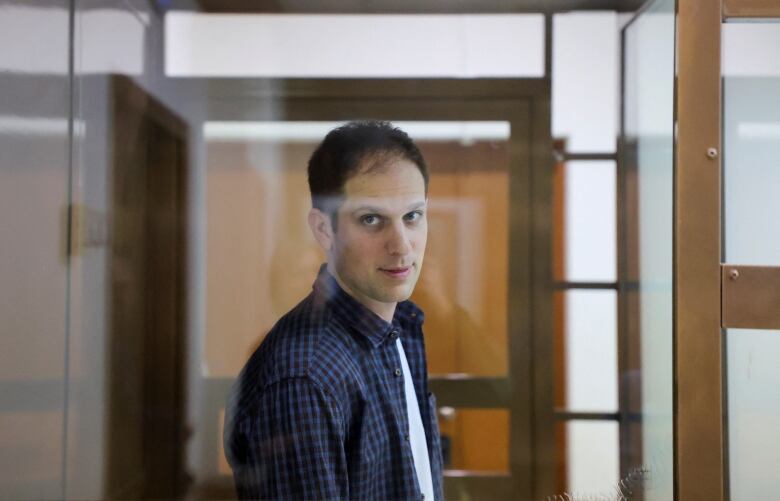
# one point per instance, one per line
(397, 272)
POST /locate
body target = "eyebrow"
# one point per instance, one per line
(371, 208)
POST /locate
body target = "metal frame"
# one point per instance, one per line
(699, 459)
(527, 391)
(707, 295)
(733, 9)
(750, 296)
(416, 6)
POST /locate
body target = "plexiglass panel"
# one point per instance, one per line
(751, 88)
(649, 83)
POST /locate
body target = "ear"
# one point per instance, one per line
(321, 228)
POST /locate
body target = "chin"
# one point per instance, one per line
(401, 295)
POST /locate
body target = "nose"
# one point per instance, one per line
(398, 242)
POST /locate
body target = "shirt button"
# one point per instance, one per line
(423, 495)
(406, 437)
(397, 372)
(394, 335)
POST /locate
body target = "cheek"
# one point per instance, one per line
(359, 246)
(421, 240)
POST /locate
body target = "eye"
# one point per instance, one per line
(370, 219)
(413, 216)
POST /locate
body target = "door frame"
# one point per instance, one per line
(152, 464)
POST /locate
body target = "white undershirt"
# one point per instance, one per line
(422, 463)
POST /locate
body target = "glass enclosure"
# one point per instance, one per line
(153, 176)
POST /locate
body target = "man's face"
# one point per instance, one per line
(382, 229)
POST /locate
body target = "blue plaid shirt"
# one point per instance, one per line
(319, 411)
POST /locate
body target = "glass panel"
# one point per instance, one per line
(593, 455)
(584, 101)
(649, 83)
(590, 222)
(751, 90)
(34, 194)
(753, 412)
(751, 118)
(192, 242)
(399, 46)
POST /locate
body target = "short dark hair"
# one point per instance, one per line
(349, 148)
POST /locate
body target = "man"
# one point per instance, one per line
(334, 404)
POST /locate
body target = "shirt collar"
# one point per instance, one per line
(358, 317)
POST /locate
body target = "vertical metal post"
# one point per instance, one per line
(698, 393)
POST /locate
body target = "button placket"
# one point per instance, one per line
(394, 334)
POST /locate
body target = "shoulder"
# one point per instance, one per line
(308, 343)
(411, 318)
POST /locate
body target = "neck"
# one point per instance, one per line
(385, 311)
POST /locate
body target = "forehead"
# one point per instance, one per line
(397, 183)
